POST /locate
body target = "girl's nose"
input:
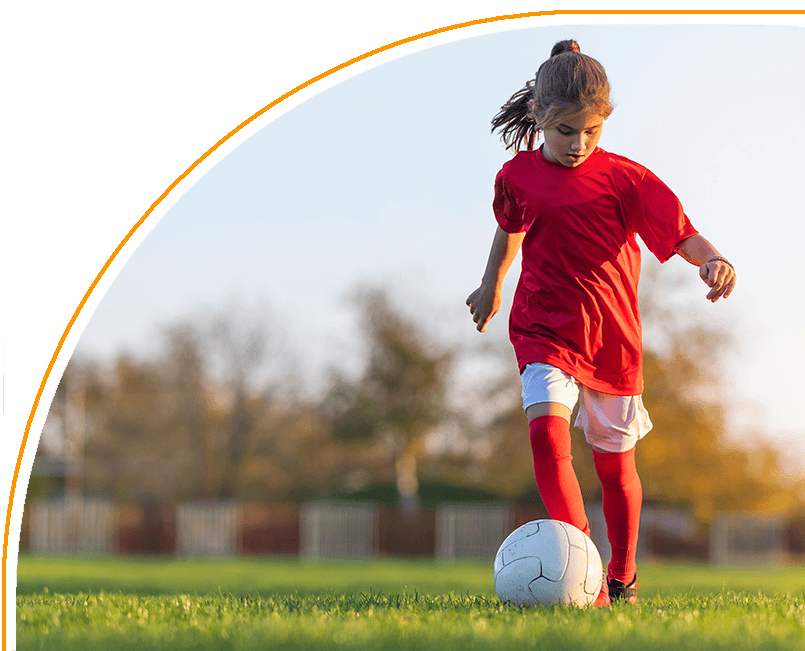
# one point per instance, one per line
(579, 143)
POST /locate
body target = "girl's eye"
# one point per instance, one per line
(565, 133)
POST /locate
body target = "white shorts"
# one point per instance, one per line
(612, 423)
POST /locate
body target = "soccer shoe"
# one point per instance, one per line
(602, 600)
(619, 591)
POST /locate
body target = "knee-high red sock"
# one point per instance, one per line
(553, 467)
(623, 497)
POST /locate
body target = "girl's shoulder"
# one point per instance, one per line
(635, 180)
(627, 166)
(520, 168)
(522, 158)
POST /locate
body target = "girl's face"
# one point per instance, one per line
(572, 140)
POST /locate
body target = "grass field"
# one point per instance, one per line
(122, 604)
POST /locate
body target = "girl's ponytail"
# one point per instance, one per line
(514, 119)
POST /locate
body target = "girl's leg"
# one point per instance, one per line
(623, 498)
(613, 425)
(549, 427)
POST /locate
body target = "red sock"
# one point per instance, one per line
(623, 497)
(553, 467)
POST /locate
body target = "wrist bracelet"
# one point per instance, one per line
(720, 259)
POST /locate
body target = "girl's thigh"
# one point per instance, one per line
(548, 391)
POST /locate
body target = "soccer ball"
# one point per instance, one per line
(548, 562)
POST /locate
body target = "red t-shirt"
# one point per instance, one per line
(575, 306)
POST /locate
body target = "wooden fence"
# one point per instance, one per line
(323, 529)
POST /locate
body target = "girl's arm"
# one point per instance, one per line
(485, 301)
(714, 270)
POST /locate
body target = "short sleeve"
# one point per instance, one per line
(507, 211)
(656, 215)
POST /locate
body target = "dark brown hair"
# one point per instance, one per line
(568, 82)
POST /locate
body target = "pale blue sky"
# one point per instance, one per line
(388, 177)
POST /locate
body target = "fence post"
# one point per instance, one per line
(745, 538)
(207, 528)
(471, 530)
(70, 526)
(338, 529)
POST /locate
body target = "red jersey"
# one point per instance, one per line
(575, 306)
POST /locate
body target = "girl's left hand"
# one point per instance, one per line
(720, 277)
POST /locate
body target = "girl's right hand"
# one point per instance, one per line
(484, 303)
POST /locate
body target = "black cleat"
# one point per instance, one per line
(619, 591)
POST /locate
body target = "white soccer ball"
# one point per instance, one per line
(548, 562)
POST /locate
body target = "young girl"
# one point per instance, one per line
(576, 211)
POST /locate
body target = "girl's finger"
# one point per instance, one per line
(722, 288)
(720, 275)
(715, 292)
(730, 287)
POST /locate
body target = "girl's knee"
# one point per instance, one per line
(616, 469)
(550, 438)
(541, 409)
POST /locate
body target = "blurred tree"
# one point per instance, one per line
(181, 425)
(400, 397)
(237, 350)
(213, 416)
(129, 449)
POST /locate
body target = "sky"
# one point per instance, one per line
(387, 179)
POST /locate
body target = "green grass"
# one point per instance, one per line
(119, 604)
